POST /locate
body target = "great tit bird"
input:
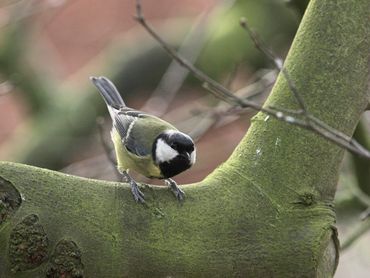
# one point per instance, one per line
(145, 143)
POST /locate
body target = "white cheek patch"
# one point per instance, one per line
(193, 156)
(164, 152)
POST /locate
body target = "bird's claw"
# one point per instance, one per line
(138, 195)
(179, 194)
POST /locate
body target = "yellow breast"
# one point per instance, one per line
(126, 160)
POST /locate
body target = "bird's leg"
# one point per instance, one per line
(138, 195)
(180, 195)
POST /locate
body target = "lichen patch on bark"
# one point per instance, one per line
(65, 261)
(28, 244)
(10, 200)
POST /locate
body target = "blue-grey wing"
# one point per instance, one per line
(128, 123)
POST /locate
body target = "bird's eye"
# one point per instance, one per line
(173, 145)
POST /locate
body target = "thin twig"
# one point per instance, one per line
(313, 123)
(175, 74)
(220, 114)
(308, 122)
(199, 74)
(278, 62)
(216, 114)
(231, 76)
(213, 86)
(258, 87)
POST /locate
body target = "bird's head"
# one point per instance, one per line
(174, 152)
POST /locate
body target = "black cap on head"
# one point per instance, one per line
(173, 151)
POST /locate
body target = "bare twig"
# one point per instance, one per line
(216, 115)
(175, 74)
(277, 62)
(213, 86)
(265, 80)
(308, 121)
(231, 76)
(313, 123)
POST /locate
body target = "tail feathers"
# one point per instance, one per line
(108, 91)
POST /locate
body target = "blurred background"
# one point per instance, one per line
(53, 117)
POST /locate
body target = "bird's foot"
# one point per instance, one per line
(179, 194)
(138, 195)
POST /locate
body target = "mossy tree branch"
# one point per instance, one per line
(266, 212)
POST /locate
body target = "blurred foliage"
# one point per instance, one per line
(299, 5)
(143, 71)
(15, 68)
(229, 45)
(63, 121)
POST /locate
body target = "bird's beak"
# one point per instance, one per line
(186, 155)
(189, 157)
